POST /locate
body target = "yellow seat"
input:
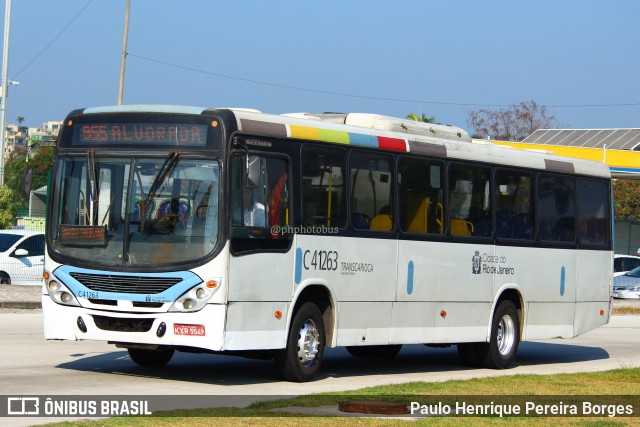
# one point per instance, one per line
(460, 227)
(418, 223)
(381, 223)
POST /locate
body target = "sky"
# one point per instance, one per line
(580, 58)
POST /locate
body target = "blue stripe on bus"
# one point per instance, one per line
(363, 140)
(188, 281)
(562, 280)
(410, 278)
(298, 266)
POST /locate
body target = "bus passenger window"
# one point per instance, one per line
(371, 192)
(593, 212)
(470, 200)
(556, 208)
(421, 200)
(257, 209)
(513, 206)
(324, 194)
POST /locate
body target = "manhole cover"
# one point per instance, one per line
(373, 407)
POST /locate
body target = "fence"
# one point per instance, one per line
(23, 211)
(627, 237)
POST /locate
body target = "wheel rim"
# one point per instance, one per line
(308, 343)
(506, 335)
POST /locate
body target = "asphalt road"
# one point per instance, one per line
(29, 365)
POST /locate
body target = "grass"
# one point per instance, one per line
(622, 382)
(626, 310)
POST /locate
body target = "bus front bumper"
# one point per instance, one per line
(202, 329)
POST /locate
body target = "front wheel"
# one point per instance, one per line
(500, 351)
(301, 360)
(4, 279)
(151, 358)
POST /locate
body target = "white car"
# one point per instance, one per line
(21, 257)
(627, 285)
(624, 263)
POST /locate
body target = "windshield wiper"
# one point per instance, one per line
(165, 169)
(92, 174)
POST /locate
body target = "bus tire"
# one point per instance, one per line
(468, 353)
(302, 357)
(151, 358)
(375, 351)
(500, 351)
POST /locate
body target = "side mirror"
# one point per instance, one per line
(253, 171)
(20, 253)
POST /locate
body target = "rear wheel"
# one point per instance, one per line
(375, 351)
(151, 358)
(301, 360)
(500, 351)
(4, 279)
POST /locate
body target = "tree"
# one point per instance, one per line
(626, 199)
(40, 163)
(513, 123)
(421, 118)
(7, 195)
(20, 119)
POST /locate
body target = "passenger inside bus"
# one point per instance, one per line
(254, 213)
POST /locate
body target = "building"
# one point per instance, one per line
(52, 128)
(16, 138)
(618, 148)
(43, 136)
(21, 138)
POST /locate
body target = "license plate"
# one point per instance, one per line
(182, 329)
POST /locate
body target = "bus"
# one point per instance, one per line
(232, 231)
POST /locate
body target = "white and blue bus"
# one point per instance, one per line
(237, 232)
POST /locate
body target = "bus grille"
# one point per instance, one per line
(126, 284)
(123, 325)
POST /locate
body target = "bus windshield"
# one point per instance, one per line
(135, 211)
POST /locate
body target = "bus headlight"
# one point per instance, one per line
(61, 294)
(194, 299)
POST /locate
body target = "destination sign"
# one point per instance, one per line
(140, 134)
(82, 234)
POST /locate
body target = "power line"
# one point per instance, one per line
(52, 41)
(324, 92)
(350, 95)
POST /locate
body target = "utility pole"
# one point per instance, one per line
(124, 52)
(5, 86)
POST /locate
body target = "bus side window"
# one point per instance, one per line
(421, 187)
(513, 205)
(470, 200)
(256, 210)
(371, 183)
(556, 200)
(324, 196)
(593, 213)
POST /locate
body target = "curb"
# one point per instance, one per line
(27, 305)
